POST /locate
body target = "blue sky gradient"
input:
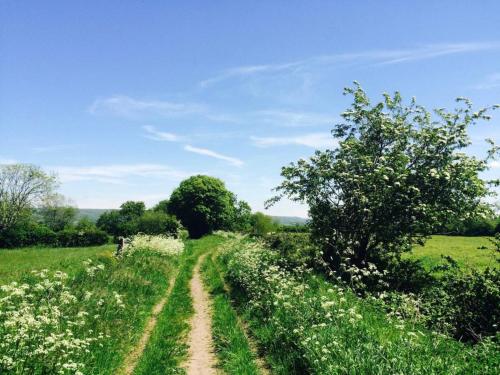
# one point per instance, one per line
(124, 99)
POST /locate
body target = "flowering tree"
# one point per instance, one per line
(22, 187)
(398, 173)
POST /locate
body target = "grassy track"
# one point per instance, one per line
(230, 342)
(167, 348)
(467, 251)
(14, 263)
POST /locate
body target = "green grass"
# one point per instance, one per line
(167, 347)
(231, 344)
(14, 263)
(466, 251)
(141, 280)
(287, 315)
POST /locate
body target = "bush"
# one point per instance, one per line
(465, 304)
(27, 234)
(75, 238)
(295, 248)
(158, 223)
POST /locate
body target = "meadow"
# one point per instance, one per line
(468, 252)
(265, 317)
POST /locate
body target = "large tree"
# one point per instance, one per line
(399, 173)
(22, 187)
(203, 204)
(57, 212)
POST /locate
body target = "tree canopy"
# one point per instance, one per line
(203, 204)
(399, 173)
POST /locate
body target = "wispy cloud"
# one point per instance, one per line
(125, 106)
(494, 164)
(289, 118)
(4, 161)
(116, 173)
(314, 140)
(156, 135)
(203, 151)
(371, 57)
(492, 81)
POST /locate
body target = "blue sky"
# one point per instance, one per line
(124, 99)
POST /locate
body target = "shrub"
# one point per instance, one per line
(27, 234)
(161, 245)
(158, 223)
(295, 248)
(465, 304)
(74, 238)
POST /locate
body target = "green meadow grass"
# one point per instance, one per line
(15, 263)
(469, 252)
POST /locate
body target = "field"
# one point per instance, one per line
(223, 303)
(469, 252)
(14, 263)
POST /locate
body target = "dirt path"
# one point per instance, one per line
(133, 357)
(201, 359)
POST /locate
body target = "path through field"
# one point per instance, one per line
(201, 359)
(133, 357)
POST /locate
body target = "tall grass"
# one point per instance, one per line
(307, 325)
(231, 344)
(105, 302)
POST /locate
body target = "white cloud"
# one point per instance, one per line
(494, 164)
(293, 118)
(373, 57)
(124, 106)
(203, 151)
(491, 82)
(314, 140)
(116, 173)
(159, 135)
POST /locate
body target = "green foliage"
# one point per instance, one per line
(398, 174)
(261, 224)
(465, 304)
(162, 206)
(57, 217)
(308, 325)
(158, 222)
(22, 188)
(203, 204)
(27, 232)
(295, 249)
(123, 222)
(85, 224)
(74, 237)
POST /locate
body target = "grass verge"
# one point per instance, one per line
(167, 348)
(306, 325)
(231, 344)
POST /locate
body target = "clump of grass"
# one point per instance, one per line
(231, 344)
(308, 325)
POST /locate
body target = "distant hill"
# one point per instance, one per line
(290, 220)
(94, 213)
